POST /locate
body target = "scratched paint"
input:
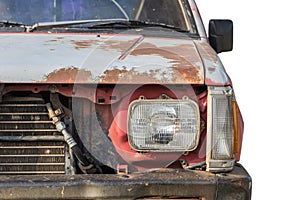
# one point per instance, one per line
(82, 44)
(107, 59)
(168, 61)
(215, 73)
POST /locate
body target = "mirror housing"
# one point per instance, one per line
(221, 35)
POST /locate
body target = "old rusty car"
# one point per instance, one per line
(117, 99)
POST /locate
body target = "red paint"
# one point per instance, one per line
(118, 130)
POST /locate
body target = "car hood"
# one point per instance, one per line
(108, 59)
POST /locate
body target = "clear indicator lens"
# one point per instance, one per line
(222, 139)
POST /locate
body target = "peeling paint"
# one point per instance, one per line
(131, 76)
(157, 61)
(131, 59)
(68, 75)
(215, 73)
(118, 43)
(82, 44)
(147, 75)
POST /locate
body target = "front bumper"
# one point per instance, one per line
(158, 184)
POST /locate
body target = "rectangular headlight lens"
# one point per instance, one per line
(220, 129)
(163, 125)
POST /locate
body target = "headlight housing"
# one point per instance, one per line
(162, 125)
(220, 129)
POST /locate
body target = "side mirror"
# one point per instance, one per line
(221, 35)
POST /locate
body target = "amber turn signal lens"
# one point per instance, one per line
(235, 126)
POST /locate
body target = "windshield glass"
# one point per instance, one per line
(29, 12)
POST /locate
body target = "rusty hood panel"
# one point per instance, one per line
(90, 58)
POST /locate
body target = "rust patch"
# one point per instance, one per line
(82, 44)
(127, 76)
(69, 75)
(171, 75)
(187, 74)
(131, 76)
(112, 76)
(120, 46)
(180, 55)
(183, 59)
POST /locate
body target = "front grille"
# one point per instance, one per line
(29, 142)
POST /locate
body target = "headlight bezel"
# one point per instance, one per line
(167, 102)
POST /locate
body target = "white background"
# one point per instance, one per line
(265, 71)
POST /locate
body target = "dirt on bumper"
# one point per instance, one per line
(158, 184)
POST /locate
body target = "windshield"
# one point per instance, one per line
(29, 12)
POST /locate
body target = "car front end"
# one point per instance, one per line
(126, 106)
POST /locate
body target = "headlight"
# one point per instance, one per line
(220, 129)
(163, 125)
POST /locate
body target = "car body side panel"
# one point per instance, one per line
(215, 73)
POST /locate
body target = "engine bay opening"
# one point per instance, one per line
(59, 131)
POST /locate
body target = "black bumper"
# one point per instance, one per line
(160, 184)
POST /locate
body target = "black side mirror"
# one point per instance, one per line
(221, 35)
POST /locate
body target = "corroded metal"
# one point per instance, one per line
(180, 184)
(88, 58)
(68, 75)
(86, 67)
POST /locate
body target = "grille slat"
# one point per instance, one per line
(31, 151)
(30, 147)
(29, 142)
(28, 130)
(26, 122)
(33, 159)
(32, 138)
(30, 172)
(31, 155)
(24, 105)
(30, 164)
